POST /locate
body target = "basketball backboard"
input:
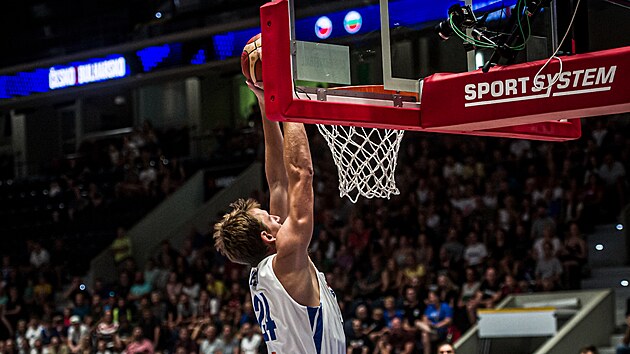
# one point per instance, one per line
(396, 43)
(383, 64)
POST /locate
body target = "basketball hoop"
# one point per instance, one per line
(365, 159)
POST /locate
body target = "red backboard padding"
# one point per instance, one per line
(591, 84)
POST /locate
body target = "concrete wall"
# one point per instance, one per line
(176, 216)
(592, 324)
(155, 227)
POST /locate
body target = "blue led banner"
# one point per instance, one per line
(81, 74)
(63, 76)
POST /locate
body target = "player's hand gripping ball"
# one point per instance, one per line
(251, 61)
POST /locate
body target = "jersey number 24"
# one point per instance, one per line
(267, 325)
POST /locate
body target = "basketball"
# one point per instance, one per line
(251, 60)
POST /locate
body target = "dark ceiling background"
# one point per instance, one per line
(37, 29)
(32, 30)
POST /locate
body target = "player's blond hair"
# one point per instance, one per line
(237, 235)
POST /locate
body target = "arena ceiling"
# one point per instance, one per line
(32, 30)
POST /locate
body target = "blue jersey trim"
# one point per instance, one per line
(315, 316)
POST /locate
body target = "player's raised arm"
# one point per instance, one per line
(295, 235)
(274, 164)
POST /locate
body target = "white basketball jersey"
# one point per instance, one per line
(290, 328)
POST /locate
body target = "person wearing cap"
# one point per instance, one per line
(76, 331)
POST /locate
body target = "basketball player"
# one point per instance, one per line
(296, 310)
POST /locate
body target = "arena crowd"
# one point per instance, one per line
(477, 219)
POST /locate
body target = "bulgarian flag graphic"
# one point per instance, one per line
(352, 22)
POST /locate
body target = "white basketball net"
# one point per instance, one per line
(365, 159)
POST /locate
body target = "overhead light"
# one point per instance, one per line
(599, 247)
(158, 14)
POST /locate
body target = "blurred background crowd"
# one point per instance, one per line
(477, 219)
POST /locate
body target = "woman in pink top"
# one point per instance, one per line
(139, 344)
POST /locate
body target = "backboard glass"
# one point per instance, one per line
(392, 43)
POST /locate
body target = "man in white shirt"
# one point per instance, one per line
(39, 256)
(250, 340)
(475, 252)
(76, 331)
(611, 171)
(212, 344)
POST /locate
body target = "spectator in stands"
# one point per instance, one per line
(391, 311)
(211, 343)
(573, 256)
(413, 310)
(446, 290)
(186, 310)
(230, 341)
(33, 331)
(107, 331)
(360, 313)
(475, 252)
(624, 346)
(542, 222)
(401, 340)
(391, 278)
(167, 255)
(358, 341)
(190, 287)
(43, 290)
(121, 247)
(140, 288)
(446, 348)
(10, 347)
(591, 349)
(358, 236)
(467, 296)
(6, 330)
(139, 344)
(37, 347)
(14, 307)
(250, 340)
(370, 284)
(185, 341)
(58, 329)
(413, 270)
(81, 306)
(548, 269)
(76, 333)
(454, 249)
(548, 235)
(384, 344)
(148, 177)
(56, 346)
(487, 296)
(438, 317)
(611, 171)
(39, 257)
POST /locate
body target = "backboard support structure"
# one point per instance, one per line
(501, 103)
